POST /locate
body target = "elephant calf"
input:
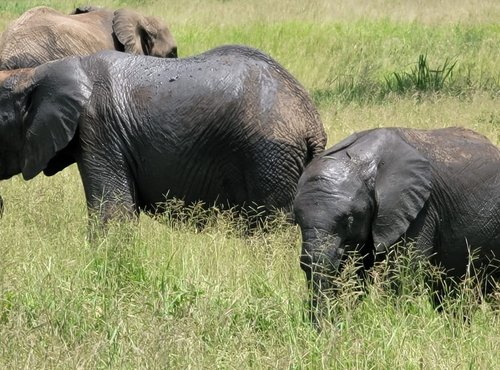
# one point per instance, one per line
(43, 34)
(438, 188)
(229, 127)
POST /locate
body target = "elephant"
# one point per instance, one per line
(43, 34)
(438, 189)
(228, 127)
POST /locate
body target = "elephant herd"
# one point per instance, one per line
(231, 127)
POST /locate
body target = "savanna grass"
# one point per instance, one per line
(169, 293)
(422, 77)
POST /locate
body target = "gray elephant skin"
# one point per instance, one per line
(229, 127)
(438, 188)
(43, 34)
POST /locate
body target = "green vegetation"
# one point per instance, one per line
(422, 77)
(159, 293)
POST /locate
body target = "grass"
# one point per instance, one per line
(159, 294)
(422, 77)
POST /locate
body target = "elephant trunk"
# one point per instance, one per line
(321, 259)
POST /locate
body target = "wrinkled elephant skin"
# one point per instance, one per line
(229, 127)
(43, 34)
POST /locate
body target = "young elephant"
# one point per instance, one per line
(227, 127)
(43, 34)
(438, 188)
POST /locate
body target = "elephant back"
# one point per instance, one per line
(300, 118)
(452, 148)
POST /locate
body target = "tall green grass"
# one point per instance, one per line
(163, 293)
(422, 77)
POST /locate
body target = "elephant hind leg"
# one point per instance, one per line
(273, 182)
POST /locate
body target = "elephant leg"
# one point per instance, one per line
(275, 179)
(109, 190)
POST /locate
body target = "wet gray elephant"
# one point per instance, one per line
(227, 127)
(43, 34)
(438, 188)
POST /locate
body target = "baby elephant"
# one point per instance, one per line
(437, 188)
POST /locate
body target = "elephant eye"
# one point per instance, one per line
(350, 222)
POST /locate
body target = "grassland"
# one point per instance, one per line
(164, 294)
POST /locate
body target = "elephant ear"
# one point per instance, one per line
(84, 9)
(133, 31)
(402, 186)
(54, 104)
(346, 142)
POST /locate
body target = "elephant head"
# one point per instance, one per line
(39, 113)
(143, 35)
(360, 195)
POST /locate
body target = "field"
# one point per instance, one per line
(166, 295)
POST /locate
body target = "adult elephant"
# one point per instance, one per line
(43, 34)
(438, 188)
(229, 127)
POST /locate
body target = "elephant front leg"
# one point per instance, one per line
(110, 193)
